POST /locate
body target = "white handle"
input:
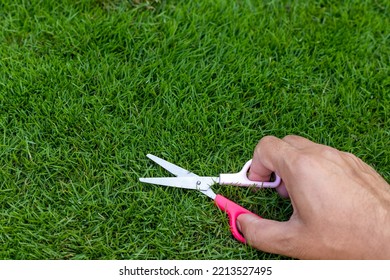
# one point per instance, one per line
(241, 179)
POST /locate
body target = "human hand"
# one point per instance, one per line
(341, 205)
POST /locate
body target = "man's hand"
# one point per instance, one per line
(341, 205)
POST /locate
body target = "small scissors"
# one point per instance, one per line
(188, 180)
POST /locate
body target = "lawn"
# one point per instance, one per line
(89, 87)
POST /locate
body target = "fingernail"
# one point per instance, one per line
(238, 225)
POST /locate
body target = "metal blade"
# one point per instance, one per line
(170, 167)
(193, 183)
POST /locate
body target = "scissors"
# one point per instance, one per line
(188, 180)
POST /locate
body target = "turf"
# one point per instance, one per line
(88, 88)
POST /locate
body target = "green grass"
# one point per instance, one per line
(88, 88)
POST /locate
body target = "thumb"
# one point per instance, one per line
(267, 235)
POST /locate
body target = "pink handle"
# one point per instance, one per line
(233, 210)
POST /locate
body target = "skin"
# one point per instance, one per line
(341, 205)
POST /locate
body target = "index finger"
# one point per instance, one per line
(269, 156)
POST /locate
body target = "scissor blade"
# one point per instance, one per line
(172, 168)
(193, 183)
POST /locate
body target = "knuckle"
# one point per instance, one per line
(265, 142)
(301, 161)
(330, 153)
(267, 139)
(290, 137)
(350, 156)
